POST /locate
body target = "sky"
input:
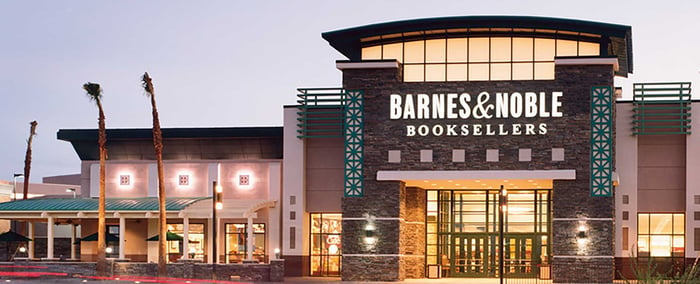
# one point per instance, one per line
(237, 63)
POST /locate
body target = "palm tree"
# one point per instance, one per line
(94, 92)
(28, 158)
(158, 145)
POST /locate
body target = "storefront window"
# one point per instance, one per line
(113, 230)
(326, 247)
(195, 245)
(237, 242)
(661, 235)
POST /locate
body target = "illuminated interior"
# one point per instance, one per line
(462, 230)
(326, 245)
(661, 235)
(481, 184)
(479, 54)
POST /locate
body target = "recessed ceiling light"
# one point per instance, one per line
(449, 180)
(477, 180)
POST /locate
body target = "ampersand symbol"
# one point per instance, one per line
(479, 110)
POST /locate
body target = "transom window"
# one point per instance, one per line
(480, 58)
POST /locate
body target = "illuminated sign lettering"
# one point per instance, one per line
(453, 106)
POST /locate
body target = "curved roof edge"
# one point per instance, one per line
(347, 41)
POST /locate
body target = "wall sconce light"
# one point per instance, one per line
(22, 249)
(582, 236)
(108, 250)
(124, 180)
(244, 180)
(370, 228)
(183, 179)
(277, 253)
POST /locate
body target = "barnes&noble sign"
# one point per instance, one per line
(479, 110)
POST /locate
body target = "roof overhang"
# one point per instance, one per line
(348, 41)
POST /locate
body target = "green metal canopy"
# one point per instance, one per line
(93, 237)
(91, 204)
(11, 236)
(169, 236)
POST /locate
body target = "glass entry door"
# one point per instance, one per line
(473, 255)
(476, 255)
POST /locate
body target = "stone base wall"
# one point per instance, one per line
(371, 268)
(272, 272)
(297, 265)
(582, 270)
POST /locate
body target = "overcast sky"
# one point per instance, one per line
(236, 63)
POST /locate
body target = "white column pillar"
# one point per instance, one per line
(72, 241)
(185, 237)
(30, 232)
(251, 239)
(122, 240)
(49, 238)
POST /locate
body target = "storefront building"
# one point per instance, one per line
(455, 147)
(442, 117)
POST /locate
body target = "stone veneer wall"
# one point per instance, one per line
(388, 201)
(413, 233)
(272, 272)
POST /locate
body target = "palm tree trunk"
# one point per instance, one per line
(101, 226)
(158, 145)
(162, 239)
(28, 158)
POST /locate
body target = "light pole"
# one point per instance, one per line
(502, 211)
(14, 189)
(71, 190)
(217, 204)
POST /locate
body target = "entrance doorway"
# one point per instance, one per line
(476, 255)
(463, 232)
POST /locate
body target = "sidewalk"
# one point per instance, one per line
(424, 280)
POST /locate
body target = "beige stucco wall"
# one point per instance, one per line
(661, 179)
(324, 174)
(626, 168)
(692, 179)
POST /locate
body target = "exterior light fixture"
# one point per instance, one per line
(14, 188)
(582, 236)
(72, 190)
(124, 180)
(218, 197)
(277, 253)
(244, 180)
(108, 250)
(192, 252)
(183, 180)
(370, 228)
(22, 249)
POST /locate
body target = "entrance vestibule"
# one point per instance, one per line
(463, 236)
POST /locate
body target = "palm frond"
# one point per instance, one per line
(147, 83)
(93, 90)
